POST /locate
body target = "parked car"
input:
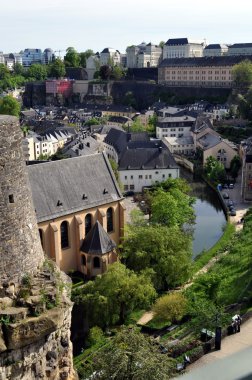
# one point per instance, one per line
(225, 195)
(230, 203)
(232, 212)
(225, 186)
(231, 186)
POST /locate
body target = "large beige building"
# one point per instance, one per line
(198, 72)
(80, 212)
(143, 55)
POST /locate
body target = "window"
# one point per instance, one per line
(11, 198)
(109, 214)
(140, 177)
(83, 260)
(132, 187)
(125, 177)
(88, 223)
(169, 175)
(64, 235)
(150, 176)
(96, 262)
(163, 175)
(41, 237)
(131, 177)
(126, 187)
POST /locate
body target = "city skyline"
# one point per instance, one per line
(96, 25)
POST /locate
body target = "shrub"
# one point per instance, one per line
(171, 307)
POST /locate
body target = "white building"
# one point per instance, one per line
(183, 48)
(240, 49)
(181, 145)
(174, 126)
(215, 50)
(143, 55)
(110, 56)
(142, 162)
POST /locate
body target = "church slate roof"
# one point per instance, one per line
(97, 241)
(152, 155)
(67, 186)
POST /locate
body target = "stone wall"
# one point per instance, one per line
(35, 322)
(20, 248)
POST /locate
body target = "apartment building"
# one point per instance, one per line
(182, 48)
(199, 72)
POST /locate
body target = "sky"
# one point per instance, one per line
(96, 24)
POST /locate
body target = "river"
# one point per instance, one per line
(210, 218)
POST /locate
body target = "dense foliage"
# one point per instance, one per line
(9, 106)
(110, 297)
(215, 170)
(130, 356)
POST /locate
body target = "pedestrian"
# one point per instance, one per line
(238, 321)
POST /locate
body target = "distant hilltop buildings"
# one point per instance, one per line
(144, 55)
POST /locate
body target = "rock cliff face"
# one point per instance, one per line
(35, 328)
(35, 308)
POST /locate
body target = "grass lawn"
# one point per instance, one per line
(221, 246)
(134, 317)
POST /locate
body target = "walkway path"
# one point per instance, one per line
(232, 344)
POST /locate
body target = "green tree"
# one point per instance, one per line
(57, 69)
(166, 250)
(242, 74)
(170, 307)
(137, 126)
(105, 72)
(93, 121)
(117, 73)
(84, 56)
(110, 297)
(9, 106)
(171, 208)
(18, 69)
(235, 166)
(72, 58)
(37, 71)
(4, 71)
(161, 44)
(215, 170)
(131, 356)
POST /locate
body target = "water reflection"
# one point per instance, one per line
(210, 218)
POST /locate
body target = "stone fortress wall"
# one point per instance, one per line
(20, 248)
(35, 308)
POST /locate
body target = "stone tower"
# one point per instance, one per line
(35, 309)
(20, 249)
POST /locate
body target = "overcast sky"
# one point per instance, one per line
(97, 24)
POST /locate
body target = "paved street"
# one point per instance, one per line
(232, 362)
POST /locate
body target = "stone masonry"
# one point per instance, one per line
(35, 308)
(20, 248)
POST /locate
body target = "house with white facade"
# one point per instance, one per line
(143, 55)
(240, 49)
(110, 55)
(142, 161)
(183, 48)
(215, 50)
(174, 126)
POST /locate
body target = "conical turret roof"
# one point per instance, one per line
(97, 241)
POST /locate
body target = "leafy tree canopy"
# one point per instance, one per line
(37, 71)
(170, 307)
(215, 170)
(72, 58)
(57, 69)
(110, 297)
(84, 56)
(9, 106)
(166, 250)
(242, 74)
(130, 355)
